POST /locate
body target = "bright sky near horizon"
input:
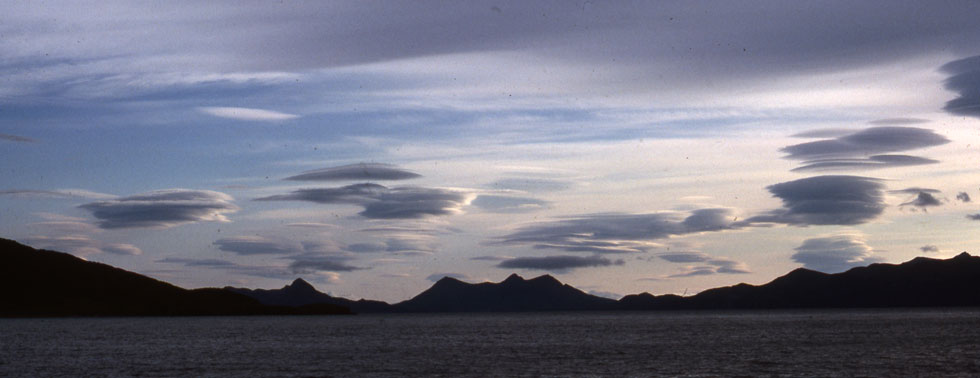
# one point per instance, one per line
(372, 147)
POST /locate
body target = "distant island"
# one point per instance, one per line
(47, 283)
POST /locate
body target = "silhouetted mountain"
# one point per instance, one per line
(921, 282)
(301, 293)
(543, 293)
(47, 283)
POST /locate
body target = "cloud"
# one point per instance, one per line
(561, 263)
(350, 194)
(508, 204)
(313, 225)
(694, 271)
(865, 149)
(16, 138)
(258, 245)
(532, 185)
(81, 245)
(898, 121)
(122, 249)
(617, 232)
(380, 202)
(921, 197)
(57, 193)
(871, 162)
(963, 196)
(826, 200)
(712, 265)
(929, 249)
(922, 201)
(162, 209)
(834, 253)
(684, 257)
(246, 114)
(311, 263)
(964, 79)
(438, 276)
(265, 271)
(975, 217)
(196, 262)
(491, 258)
(367, 247)
(360, 171)
(65, 227)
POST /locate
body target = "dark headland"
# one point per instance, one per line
(37, 283)
(47, 283)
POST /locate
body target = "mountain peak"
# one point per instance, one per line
(547, 278)
(513, 278)
(300, 285)
(962, 256)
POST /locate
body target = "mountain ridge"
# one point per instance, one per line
(94, 289)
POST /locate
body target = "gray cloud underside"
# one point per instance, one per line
(923, 200)
(16, 138)
(963, 196)
(380, 202)
(898, 121)
(684, 257)
(834, 254)
(561, 263)
(667, 43)
(975, 217)
(356, 172)
(852, 151)
(915, 190)
(871, 162)
(616, 233)
(508, 204)
(929, 249)
(60, 193)
(964, 79)
(163, 208)
(310, 263)
(257, 245)
(276, 272)
(711, 265)
(826, 200)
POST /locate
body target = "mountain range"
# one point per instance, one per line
(46, 283)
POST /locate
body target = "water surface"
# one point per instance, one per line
(802, 343)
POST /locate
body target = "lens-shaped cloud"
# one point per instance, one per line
(617, 232)
(835, 253)
(866, 149)
(826, 200)
(162, 209)
(356, 172)
(560, 263)
(964, 79)
(380, 202)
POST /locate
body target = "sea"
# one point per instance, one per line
(874, 343)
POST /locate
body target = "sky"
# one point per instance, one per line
(373, 147)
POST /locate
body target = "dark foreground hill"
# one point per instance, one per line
(920, 282)
(47, 283)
